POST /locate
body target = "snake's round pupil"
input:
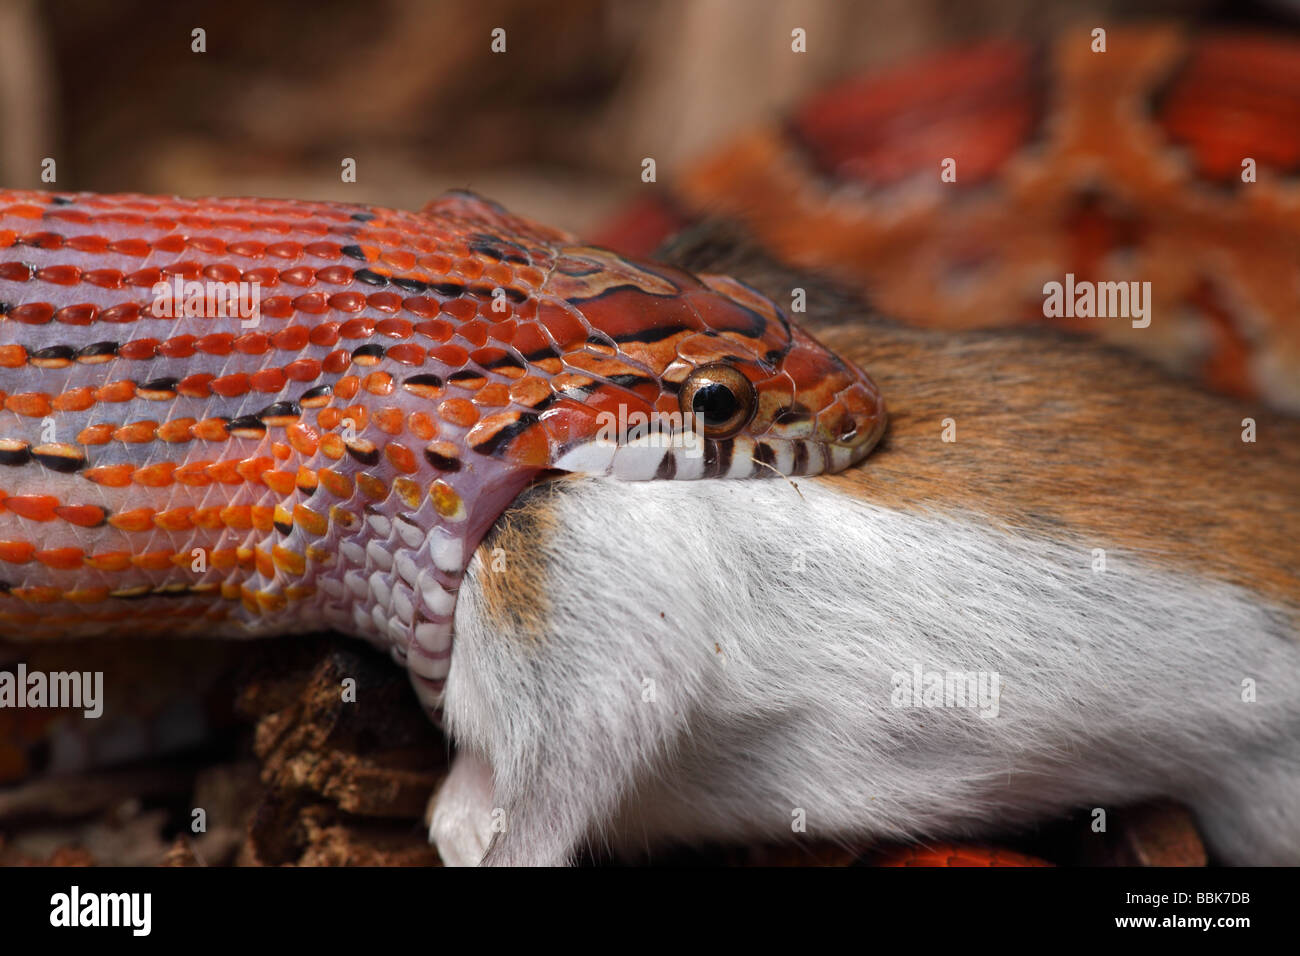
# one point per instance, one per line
(719, 397)
(715, 402)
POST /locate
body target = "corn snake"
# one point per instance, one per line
(336, 466)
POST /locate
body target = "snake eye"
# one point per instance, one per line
(721, 395)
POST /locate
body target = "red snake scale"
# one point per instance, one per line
(335, 465)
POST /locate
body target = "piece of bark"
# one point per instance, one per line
(1161, 833)
(333, 839)
(348, 759)
(180, 853)
(70, 797)
(63, 856)
(227, 794)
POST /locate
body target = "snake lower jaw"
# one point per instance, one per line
(739, 457)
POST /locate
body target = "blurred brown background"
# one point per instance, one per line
(555, 127)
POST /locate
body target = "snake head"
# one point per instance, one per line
(684, 376)
(641, 370)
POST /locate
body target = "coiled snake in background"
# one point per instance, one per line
(335, 465)
(1124, 165)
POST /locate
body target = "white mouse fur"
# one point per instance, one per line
(681, 661)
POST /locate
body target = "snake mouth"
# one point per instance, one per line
(740, 457)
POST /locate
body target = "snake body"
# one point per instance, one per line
(332, 459)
